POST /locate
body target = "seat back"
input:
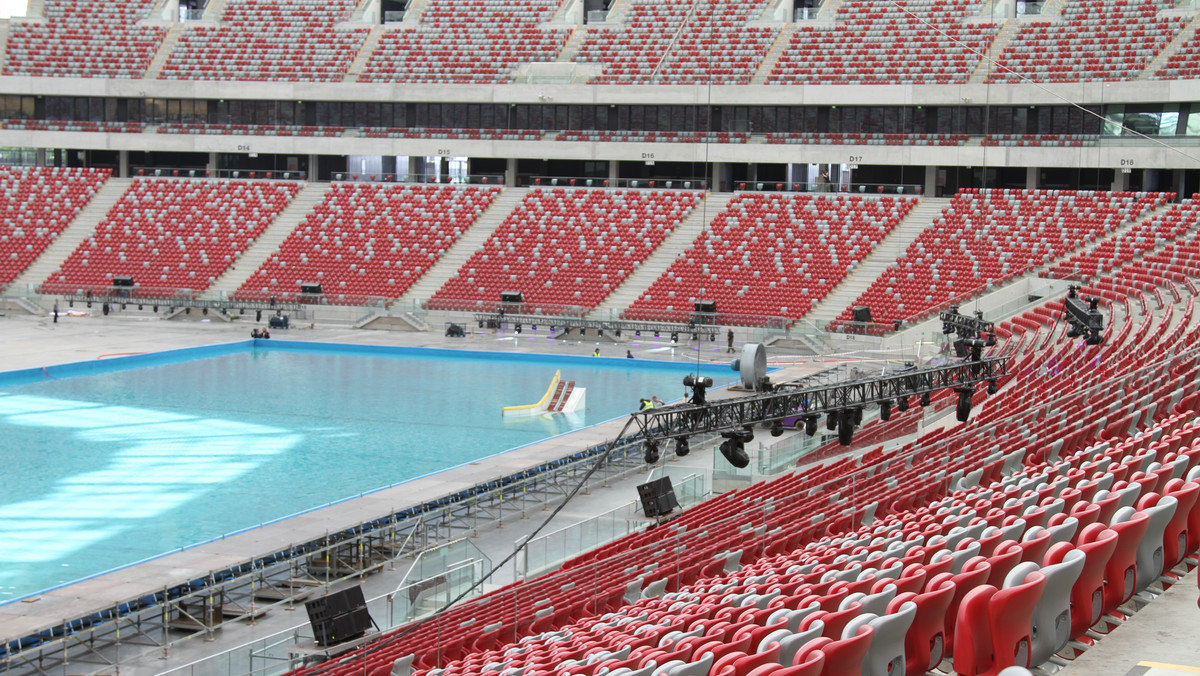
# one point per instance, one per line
(845, 655)
(886, 656)
(1011, 615)
(1150, 552)
(1052, 616)
(1178, 536)
(1097, 543)
(925, 642)
(973, 651)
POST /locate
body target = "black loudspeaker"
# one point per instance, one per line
(511, 297)
(862, 313)
(310, 288)
(705, 306)
(338, 617)
(122, 281)
(658, 497)
(278, 322)
(455, 331)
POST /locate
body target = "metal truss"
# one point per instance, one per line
(730, 415)
(702, 327)
(964, 326)
(173, 302)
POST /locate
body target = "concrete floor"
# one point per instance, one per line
(1161, 639)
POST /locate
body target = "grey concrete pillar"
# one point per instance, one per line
(1120, 180)
(212, 164)
(123, 164)
(930, 185)
(1031, 178)
(510, 172)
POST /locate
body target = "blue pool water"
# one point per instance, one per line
(108, 463)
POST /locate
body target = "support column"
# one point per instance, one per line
(312, 168)
(1179, 181)
(212, 164)
(1120, 181)
(718, 176)
(40, 157)
(929, 188)
(612, 172)
(510, 172)
(1031, 178)
(416, 167)
(123, 164)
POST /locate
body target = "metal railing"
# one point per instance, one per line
(549, 551)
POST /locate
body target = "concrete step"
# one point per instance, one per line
(1003, 37)
(364, 53)
(892, 247)
(657, 263)
(467, 244)
(83, 225)
(164, 51)
(268, 242)
(782, 40)
(215, 9)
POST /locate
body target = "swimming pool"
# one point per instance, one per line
(108, 463)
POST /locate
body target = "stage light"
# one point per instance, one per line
(777, 428)
(831, 421)
(747, 434)
(140, 306)
(696, 337)
(600, 332)
(845, 426)
(924, 398)
(674, 337)
(637, 334)
(656, 333)
(518, 328)
(993, 387)
(70, 303)
(858, 415)
(187, 311)
(698, 385)
(533, 327)
(885, 410)
(963, 409)
(902, 404)
(618, 333)
(651, 452)
(712, 337)
(122, 306)
(734, 449)
(681, 447)
(810, 425)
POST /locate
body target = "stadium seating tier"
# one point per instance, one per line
(36, 205)
(369, 240)
(171, 234)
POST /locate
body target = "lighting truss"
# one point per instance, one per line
(729, 415)
(963, 325)
(693, 329)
